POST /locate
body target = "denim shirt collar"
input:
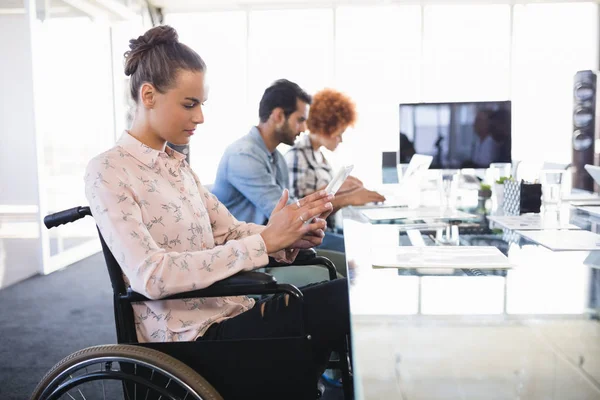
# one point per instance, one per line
(258, 139)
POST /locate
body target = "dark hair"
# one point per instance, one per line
(156, 56)
(283, 94)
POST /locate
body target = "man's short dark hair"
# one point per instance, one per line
(284, 94)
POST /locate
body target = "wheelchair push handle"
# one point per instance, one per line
(66, 216)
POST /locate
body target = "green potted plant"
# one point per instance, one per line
(485, 191)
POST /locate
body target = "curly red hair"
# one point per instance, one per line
(330, 111)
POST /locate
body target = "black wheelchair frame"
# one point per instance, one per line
(277, 368)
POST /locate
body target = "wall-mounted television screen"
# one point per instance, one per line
(457, 135)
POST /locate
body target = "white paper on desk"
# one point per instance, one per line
(564, 240)
(401, 225)
(380, 214)
(581, 196)
(592, 210)
(419, 224)
(583, 203)
(527, 222)
(480, 257)
(388, 203)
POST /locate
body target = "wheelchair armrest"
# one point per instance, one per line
(307, 257)
(246, 278)
(303, 256)
(242, 283)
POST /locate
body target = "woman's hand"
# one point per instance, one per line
(363, 196)
(308, 241)
(311, 239)
(286, 256)
(287, 226)
(351, 183)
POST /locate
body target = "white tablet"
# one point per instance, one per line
(336, 183)
(418, 164)
(338, 180)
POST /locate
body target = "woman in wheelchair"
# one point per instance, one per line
(170, 235)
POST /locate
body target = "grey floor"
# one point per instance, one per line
(46, 318)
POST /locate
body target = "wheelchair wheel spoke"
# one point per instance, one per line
(68, 394)
(102, 381)
(168, 383)
(82, 396)
(148, 389)
(135, 384)
(127, 392)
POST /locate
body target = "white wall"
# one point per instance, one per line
(20, 244)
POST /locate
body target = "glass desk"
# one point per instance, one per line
(528, 332)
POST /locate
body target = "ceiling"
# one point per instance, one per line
(129, 9)
(203, 5)
(98, 9)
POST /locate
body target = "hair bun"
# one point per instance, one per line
(155, 36)
(163, 34)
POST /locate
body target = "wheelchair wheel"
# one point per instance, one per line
(123, 372)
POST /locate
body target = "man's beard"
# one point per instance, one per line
(285, 135)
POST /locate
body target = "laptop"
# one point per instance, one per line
(389, 167)
(396, 193)
(416, 167)
(595, 174)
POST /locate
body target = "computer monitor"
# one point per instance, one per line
(457, 135)
(389, 167)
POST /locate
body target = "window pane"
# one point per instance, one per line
(220, 39)
(292, 44)
(552, 42)
(377, 64)
(121, 33)
(466, 53)
(74, 113)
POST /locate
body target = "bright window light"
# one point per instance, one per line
(551, 43)
(220, 39)
(378, 65)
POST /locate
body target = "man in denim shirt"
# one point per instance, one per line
(252, 173)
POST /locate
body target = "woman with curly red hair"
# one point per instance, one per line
(331, 113)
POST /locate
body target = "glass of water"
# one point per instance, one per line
(448, 236)
(497, 171)
(552, 181)
(448, 187)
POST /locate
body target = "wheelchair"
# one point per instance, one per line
(273, 368)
